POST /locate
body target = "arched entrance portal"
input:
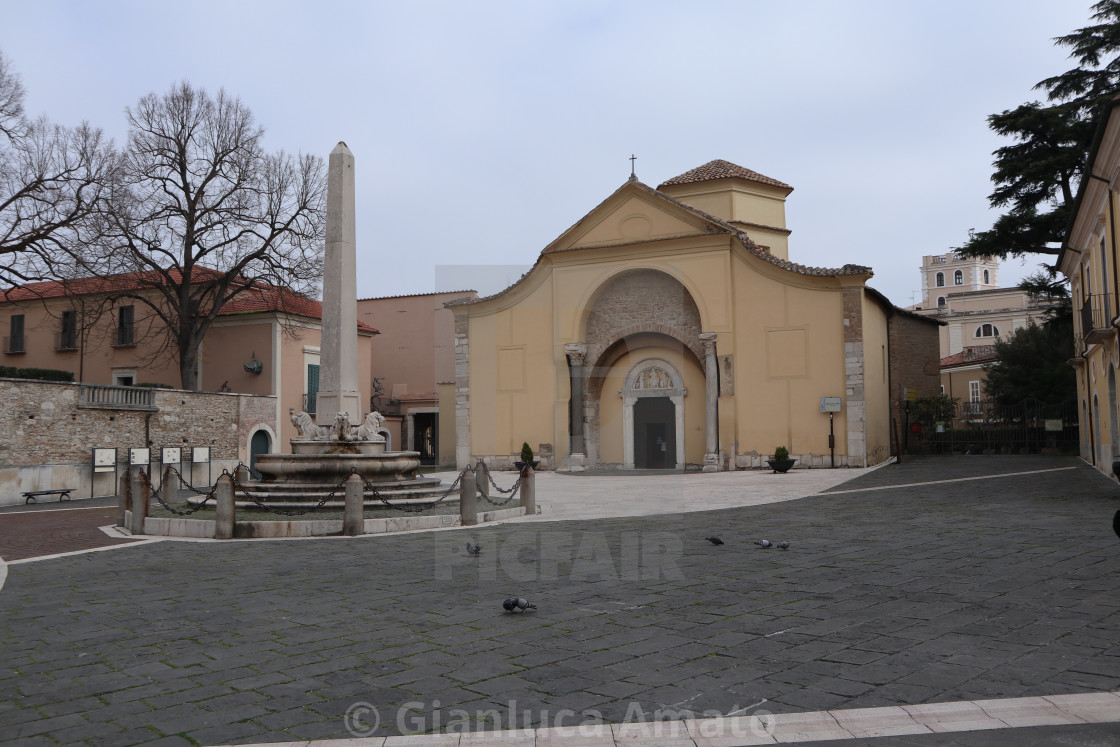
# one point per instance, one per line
(653, 416)
(261, 444)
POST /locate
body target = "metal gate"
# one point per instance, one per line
(943, 426)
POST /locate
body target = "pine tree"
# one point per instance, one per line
(1036, 176)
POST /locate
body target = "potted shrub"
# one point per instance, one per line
(781, 461)
(526, 457)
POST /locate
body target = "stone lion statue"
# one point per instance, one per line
(342, 430)
(308, 431)
(368, 430)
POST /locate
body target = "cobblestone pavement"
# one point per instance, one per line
(919, 593)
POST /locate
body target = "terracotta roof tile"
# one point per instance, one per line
(720, 169)
(259, 298)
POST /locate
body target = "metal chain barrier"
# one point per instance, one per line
(412, 509)
(162, 502)
(512, 491)
(238, 486)
(192, 488)
(367, 485)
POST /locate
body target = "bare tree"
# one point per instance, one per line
(201, 213)
(52, 180)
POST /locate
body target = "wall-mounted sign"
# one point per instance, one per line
(171, 455)
(200, 454)
(909, 394)
(1054, 425)
(139, 457)
(104, 460)
(830, 404)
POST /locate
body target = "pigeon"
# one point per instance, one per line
(517, 603)
(763, 543)
(714, 540)
(473, 549)
(783, 545)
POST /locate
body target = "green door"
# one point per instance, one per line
(312, 387)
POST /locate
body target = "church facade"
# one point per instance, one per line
(668, 329)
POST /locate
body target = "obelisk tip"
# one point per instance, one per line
(341, 148)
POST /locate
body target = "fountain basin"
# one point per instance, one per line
(331, 469)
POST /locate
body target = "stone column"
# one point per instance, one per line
(711, 402)
(353, 519)
(462, 392)
(170, 485)
(468, 507)
(122, 496)
(224, 509)
(482, 479)
(141, 494)
(529, 489)
(338, 357)
(577, 358)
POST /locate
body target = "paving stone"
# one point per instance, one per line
(881, 603)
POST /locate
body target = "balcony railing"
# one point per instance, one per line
(64, 341)
(13, 345)
(1095, 315)
(97, 396)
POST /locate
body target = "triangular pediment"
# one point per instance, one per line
(633, 214)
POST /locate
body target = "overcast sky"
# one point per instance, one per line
(483, 130)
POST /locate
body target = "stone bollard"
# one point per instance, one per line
(171, 485)
(223, 498)
(468, 509)
(482, 479)
(241, 474)
(141, 494)
(353, 519)
(122, 497)
(529, 489)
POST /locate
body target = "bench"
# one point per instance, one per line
(32, 495)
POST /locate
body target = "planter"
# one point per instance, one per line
(781, 465)
(521, 465)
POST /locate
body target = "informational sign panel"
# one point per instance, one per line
(104, 460)
(172, 455)
(140, 457)
(830, 404)
(200, 454)
(909, 394)
(1054, 425)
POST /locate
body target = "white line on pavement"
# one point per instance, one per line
(938, 482)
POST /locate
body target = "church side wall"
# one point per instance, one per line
(512, 379)
(788, 354)
(47, 441)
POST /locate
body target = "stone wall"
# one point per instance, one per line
(855, 402)
(915, 362)
(47, 440)
(642, 301)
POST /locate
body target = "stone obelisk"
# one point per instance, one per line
(338, 353)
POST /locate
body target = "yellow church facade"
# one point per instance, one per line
(667, 329)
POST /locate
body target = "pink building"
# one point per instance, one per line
(413, 370)
(265, 341)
